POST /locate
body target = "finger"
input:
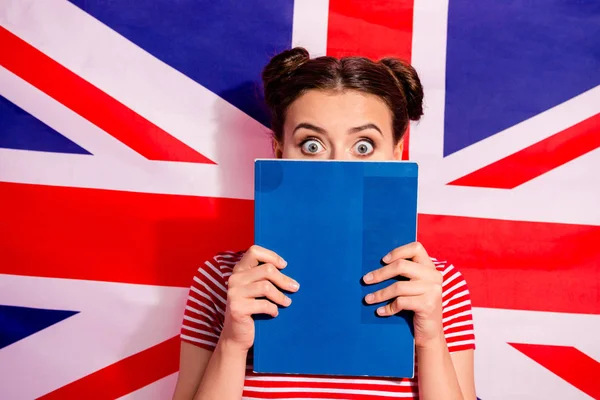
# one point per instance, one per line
(412, 251)
(268, 290)
(264, 307)
(266, 272)
(257, 255)
(401, 267)
(407, 288)
(401, 303)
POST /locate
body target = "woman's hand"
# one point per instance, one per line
(421, 294)
(255, 277)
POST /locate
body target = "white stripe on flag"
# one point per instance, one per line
(310, 26)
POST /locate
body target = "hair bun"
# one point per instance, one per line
(284, 64)
(410, 83)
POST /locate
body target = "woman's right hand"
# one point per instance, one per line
(256, 275)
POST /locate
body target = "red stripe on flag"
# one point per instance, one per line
(162, 239)
(125, 376)
(536, 160)
(116, 236)
(575, 367)
(91, 103)
(389, 26)
(520, 265)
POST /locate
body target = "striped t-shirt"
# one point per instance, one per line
(204, 318)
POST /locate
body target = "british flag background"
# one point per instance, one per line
(127, 134)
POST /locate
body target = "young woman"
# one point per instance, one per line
(325, 108)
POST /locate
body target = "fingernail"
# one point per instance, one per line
(282, 262)
(368, 277)
(381, 310)
(294, 285)
(387, 258)
(288, 301)
(370, 297)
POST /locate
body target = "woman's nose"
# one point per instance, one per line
(339, 153)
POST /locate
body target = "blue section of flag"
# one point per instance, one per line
(223, 45)
(510, 60)
(17, 323)
(20, 130)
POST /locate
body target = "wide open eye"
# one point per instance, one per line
(363, 147)
(312, 147)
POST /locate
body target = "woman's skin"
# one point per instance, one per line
(344, 125)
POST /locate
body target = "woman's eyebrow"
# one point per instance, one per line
(365, 127)
(306, 125)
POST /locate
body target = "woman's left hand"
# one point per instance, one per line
(421, 294)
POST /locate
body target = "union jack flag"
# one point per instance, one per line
(127, 135)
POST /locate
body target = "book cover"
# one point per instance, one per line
(333, 221)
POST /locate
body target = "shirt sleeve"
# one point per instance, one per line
(205, 308)
(457, 317)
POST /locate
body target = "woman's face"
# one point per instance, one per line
(347, 125)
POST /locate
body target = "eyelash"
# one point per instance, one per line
(308, 138)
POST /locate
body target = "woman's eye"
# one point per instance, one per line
(312, 146)
(363, 148)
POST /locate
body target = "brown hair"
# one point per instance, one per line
(291, 73)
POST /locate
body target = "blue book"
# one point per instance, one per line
(333, 221)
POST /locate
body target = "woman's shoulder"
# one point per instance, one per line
(225, 259)
(454, 284)
(457, 317)
(228, 257)
(451, 274)
(216, 269)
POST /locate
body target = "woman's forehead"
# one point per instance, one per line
(347, 107)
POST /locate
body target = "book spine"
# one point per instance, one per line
(257, 239)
